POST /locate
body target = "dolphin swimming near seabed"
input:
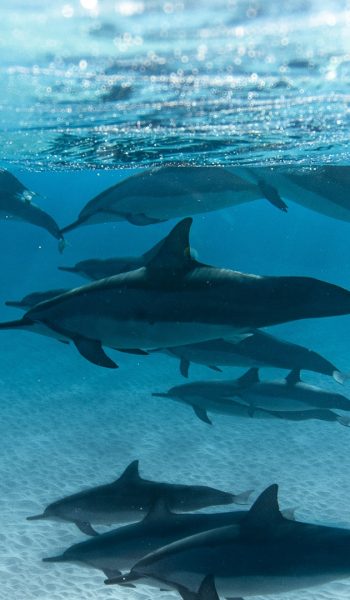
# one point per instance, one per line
(286, 395)
(16, 204)
(129, 499)
(257, 350)
(119, 550)
(323, 189)
(165, 193)
(264, 554)
(176, 300)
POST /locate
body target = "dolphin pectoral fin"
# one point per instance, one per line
(93, 352)
(137, 351)
(272, 195)
(215, 368)
(85, 527)
(202, 415)
(142, 219)
(110, 573)
(184, 367)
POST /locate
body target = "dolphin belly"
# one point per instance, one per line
(137, 333)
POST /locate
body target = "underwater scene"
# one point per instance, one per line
(175, 300)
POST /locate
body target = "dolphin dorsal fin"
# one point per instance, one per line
(265, 514)
(158, 511)
(250, 377)
(174, 251)
(293, 377)
(131, 472)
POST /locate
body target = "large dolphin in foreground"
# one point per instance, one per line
(119, 550)
(286, 395)
(257, 350)
(175, 300)
(264, 554)
(169, 192)
(16, 204)
(130, 498)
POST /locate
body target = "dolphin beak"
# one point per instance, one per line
(60, 558)
(160, 394)
(68, 269)
(37, 517)
(13, 303)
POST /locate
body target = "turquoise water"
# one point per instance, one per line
(230, 83)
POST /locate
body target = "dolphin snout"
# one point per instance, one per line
(15, 303)
(60, 558)
(68, 269)
(37, 517)
(160, 394)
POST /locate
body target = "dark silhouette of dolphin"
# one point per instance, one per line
(16, 203)
(130, 498)
(170, 192)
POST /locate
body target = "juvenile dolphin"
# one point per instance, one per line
(119, 550)
(286, 395)
(130, 498)
(175, 300)
(169, 192)
(34, 298)
(324, 189)
(16, 204)
(257, 350)
(99, 268)
(264, 554)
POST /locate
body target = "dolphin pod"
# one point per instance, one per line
(279, 398)
(16, 204)
(165, 193)
(174, 300)
(129, 498)
(263, 554)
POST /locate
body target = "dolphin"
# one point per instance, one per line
(324, 189)
(287, 395)
(263, 554)
(99, 268)
(16, 204)
(34, 298)
(176, 300)
(130, 498)
(166, 193)
(119, 550)
(257, 350)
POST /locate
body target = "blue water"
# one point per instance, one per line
(230, 82)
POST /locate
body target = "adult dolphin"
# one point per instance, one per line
(264, 554)
(169, 192)
(286, 395)
(16, 204)
(176, 300)
(130, 498)
(118, 550)
(257, 350)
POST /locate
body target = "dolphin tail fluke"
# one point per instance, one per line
(340, 377)
(17, 324)
(243, 498)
